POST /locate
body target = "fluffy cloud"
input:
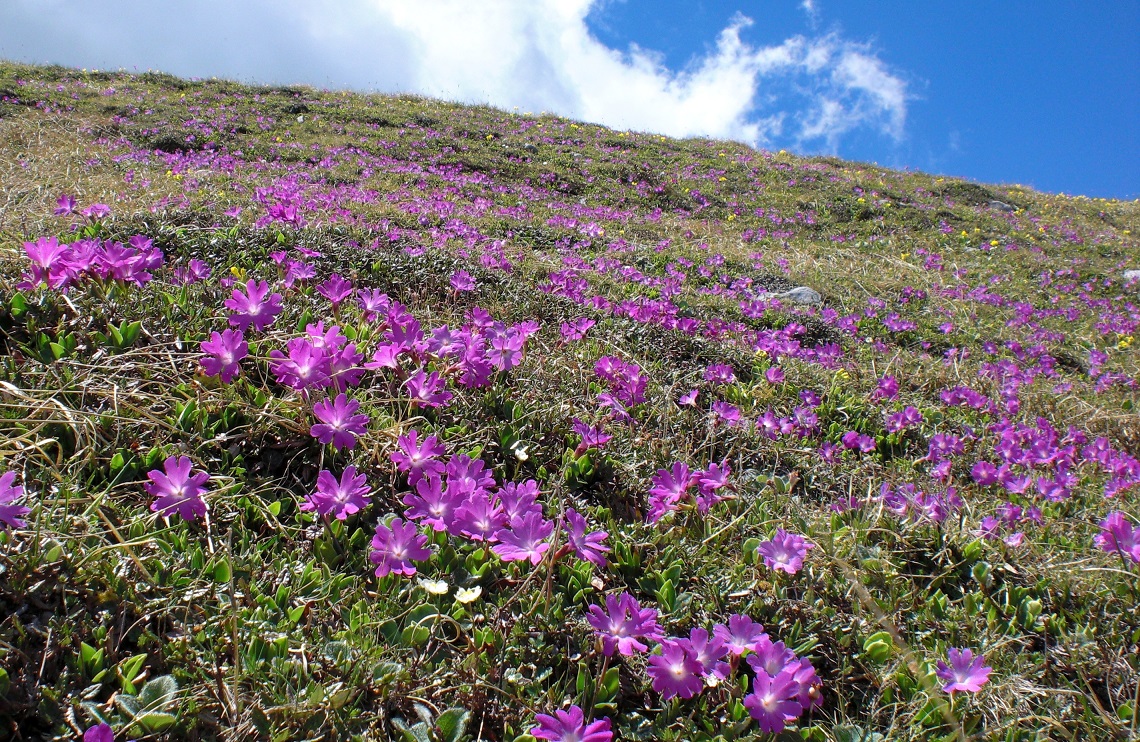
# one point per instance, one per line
(531, 54)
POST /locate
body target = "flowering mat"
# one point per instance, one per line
(348, 417)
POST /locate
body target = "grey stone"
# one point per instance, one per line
(1000, 206)
(801, 295)
(1133, 275)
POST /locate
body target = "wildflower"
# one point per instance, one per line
(417, 459)
(984, 473)
(689, 398)
(462, 281)
(253, 307)
(669, 487)
(225, 350)
(432, 503)
(479, 518)
(623, 624)
(592, 437)
(964, 673)
(177, 491)
(47, 262)
(740, 635)
(96, 211)
(1117, 535)
(785, 551)
(10, 515)
(340, 499)
(775, 375)
(506, 351)
(709, 651)
(191, 273)
(468, 594)
(65, 205)
(525, 539)
(571, 726)
(395, 546)
(339, 424)
(709, 481)
(372, 303)
(587, 546)
(770, 657)
(726, 413)
(577, 329)
(720, 373)
(772, 702)
(676, 671)
(336, 289)
(100, 732)
(305, 366)
(427, 389)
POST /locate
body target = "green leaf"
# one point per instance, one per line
(5, 683)
(155, 721)
(159, 692)
(452, 724)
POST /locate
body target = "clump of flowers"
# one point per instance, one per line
(178, 489)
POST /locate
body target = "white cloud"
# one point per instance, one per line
(533, 54)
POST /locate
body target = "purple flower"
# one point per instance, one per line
(225, 350)
(726, 413)
(709, 481)
(587, 546)
(336, 289)
(772, 702)
(571, 726)
(191, 273)
(177, 490)
(1117, 535)
(964, 673)
(577, 329)
(373, 302)
(305, 366)
(689, 398)
(525, 539)
(984, 473)
(102, 732)
(416, 459)
(741, 635)
(427, 389)
(669, 487)
(340, 499)
(64, 206)
(462, 281)
(720, 373)
(339, 424)
(623, 624)
(785, 551)
(252, 307)
(10, 515)
(774, 375)
(709, 651)
(592, 437)
(96, 211)
(395, 546)
(676, 671)
(432, 503)
(47, 257)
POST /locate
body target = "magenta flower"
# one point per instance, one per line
(225, 349)
(373, 302)
(10, 515)
(253, 307)
(964, 673)
(336, 289)
(177, 490)
(99, 733)
(462, 281)
(339, 499)
(741, 635)
(689, 398)
(304, 367)
(773, 700)
(65, 205)
(587, 546)
(623, 624)
(525, 539)
(726, 413)
(395, 546)
(984, 473)
(785, 551)
(592, 437)
(47, 257)
(571, 726)
(1117, 535)
(339, 424)
(428, 389)
(191, 273)
(432, 503)
(720, 373)
(669, 488)
(577, 329)
(774, 375)
(709, 651)
(417, 459)
(96, 211)
(676, 671)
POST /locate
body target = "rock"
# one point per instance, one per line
(530, 148)
(1001, 206)
(801, 295)
(1133, 275)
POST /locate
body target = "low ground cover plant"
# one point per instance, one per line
(332, 416)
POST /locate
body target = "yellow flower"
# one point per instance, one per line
(905, 255)
(1124, 343)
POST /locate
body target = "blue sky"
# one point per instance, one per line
(1046, 93)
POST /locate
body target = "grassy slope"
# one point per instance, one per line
(275, 627)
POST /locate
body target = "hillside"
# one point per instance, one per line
(609, 401)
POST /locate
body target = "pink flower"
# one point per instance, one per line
(339, 424)
(785, 551)
(252, 307)
(1117, 535)
(741, 635)
(417, 459)
(336, 289)
(65, 205)
(225, 350)
(99, 733)
(427, 389)
(462, 281)
(669, 487)
(177, 490)
(689, 398)
(571, 726)
(10, 515)
(774, 375)
(587, 546)
(339, 499)
(964, 673)
(772, 702)
(676, 671)
(526, 539)
(623, 624)
(395, 546)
